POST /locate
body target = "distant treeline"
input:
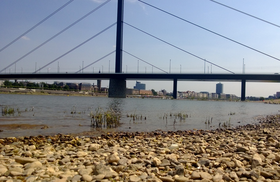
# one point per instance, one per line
(33, 85)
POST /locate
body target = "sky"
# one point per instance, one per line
(17, 16)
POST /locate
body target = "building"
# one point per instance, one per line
(99, 85)
(145, 92)
(85, 87)
(73, 86)
(140, 86)
(219, 88)
(277, 95)
(131, 91)
(214, 96)
(223, 96)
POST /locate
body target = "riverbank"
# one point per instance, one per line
(48, 92)
(245, 153)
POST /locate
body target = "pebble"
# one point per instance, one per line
(247, 153)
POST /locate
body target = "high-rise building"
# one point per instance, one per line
(219, 88)
(140, 86)
(99, 85)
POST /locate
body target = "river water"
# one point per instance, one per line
(55, 111)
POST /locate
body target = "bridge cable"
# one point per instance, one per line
(211, 31)
(145, 61)
(56, 35)
(178, 48)
(75, 48)
(246, 13)
(36, 25)
(96, 61)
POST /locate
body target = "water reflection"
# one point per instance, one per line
(116, 105)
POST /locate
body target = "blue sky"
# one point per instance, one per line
(17, 16)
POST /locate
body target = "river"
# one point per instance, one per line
(64, 114)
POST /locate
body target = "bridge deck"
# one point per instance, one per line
(148, 76)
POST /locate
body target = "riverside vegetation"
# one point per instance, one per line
(244, 153)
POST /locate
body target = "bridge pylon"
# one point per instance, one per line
(117, 87)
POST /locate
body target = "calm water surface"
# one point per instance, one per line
(55, 111)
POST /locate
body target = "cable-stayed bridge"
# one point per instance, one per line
(118, 79)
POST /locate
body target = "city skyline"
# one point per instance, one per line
(18, 16)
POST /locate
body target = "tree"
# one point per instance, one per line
(154, 92)
(262, 98)
(66, 87)
(7, 83)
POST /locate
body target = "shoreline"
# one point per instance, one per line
(87, 94)
(244, 153)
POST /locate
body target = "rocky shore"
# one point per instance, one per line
(247, 153)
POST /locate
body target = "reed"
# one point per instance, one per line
(105, 119)
(8, 111)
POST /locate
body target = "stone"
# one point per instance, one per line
(233, 175)
(98, 177)
(167, 179)
(87, 177)
(81, 154)
(205, 175)
(3, 169)
(240, 148)
(134, 178)
(218, 177)
(179, 170)
(256, 160)
(172, 157)
(114, 158)
(266, 174)
(85, 171)
(174, 146)
(204, 161)
(195, 175)
(16, 173)
(31, 178)
(94, 147)
(35, 164)
(143, 176)
(156, 162)
(106, 170)
(28, 171)
(24, 160)
(76, 178)
(181, 179)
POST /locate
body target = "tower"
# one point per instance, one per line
(219, 88)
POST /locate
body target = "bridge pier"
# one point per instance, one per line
(243, 89)
(175, 88)
(117, 88)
